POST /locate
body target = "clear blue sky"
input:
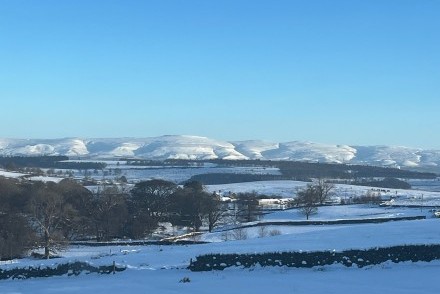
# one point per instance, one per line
(347, 72)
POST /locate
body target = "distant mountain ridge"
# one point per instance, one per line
(199, 148)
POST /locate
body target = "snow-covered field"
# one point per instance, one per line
(344, 212)
(344, 192)
(16, 175)
(138, 173)
(182, 174)
(13, 175)
(158, 269)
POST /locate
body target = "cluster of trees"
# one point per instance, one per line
(229, 178)
(245, 207)
(303, 170)
(30, 161)
(48, 215)
(370, 197)
(159, 200)
(162, 163)
(313, 195)
(385, 183)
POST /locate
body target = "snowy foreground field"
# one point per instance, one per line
(158, 269)
(402, 278)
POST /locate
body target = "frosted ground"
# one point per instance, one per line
(158, 269)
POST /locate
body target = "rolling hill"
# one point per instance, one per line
(200, 148)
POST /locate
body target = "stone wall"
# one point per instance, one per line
(359, 258)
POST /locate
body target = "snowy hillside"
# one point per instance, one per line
(194, 147)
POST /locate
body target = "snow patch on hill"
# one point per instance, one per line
(187, 147)
(125, 150)
(254, 149)
(389, 155)
(312, 152)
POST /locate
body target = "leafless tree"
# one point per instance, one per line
(247, 209)
(263, 231)
(323, 190)
(307, 200)
(49, 213)
(215, 210)
(239, 234)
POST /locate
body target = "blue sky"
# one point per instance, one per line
(345, 72)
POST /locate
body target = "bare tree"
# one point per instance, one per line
(49, 213)
(307, 199)
(239, 234)
(263, 231)
(323, 190)
(214, 209)
(247, 209)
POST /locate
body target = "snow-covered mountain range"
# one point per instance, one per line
(194, 147)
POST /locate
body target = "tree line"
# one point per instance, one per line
(384, 183)
(306, 170)
(230, 178)
(289, 169)
(49, 215)
(17, 163)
